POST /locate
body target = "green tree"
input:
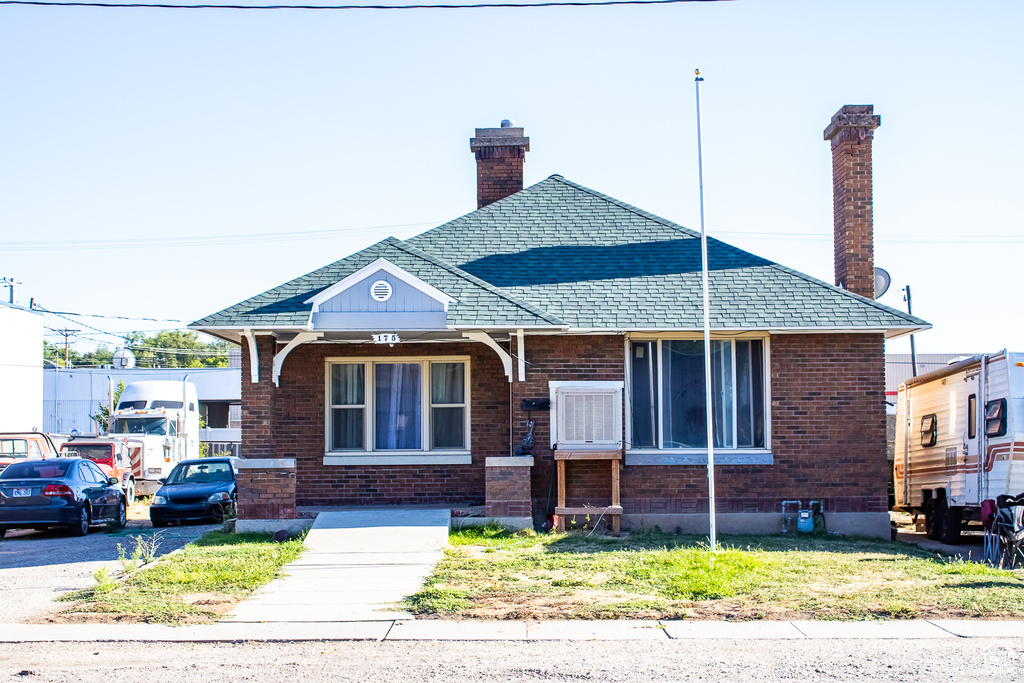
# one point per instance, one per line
(166, 349)
(102, 415)
(177, 349)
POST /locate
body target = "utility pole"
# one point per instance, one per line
(67, 356)
(913, 353)
(13, 284)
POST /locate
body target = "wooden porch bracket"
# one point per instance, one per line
(300, 338)
(484, 338)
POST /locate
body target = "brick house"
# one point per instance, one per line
(398, 375)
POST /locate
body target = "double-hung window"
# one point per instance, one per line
(667, 394)
(397, 406)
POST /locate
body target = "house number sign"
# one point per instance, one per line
(386, 339)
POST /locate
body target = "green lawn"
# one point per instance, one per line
(489, 573)
(195, 585)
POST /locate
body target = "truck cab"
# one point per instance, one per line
(17, 446)
(112, 455)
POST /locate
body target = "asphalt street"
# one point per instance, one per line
(627, 661)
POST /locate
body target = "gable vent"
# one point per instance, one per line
(381, 290)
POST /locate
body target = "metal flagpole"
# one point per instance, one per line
(707, 330)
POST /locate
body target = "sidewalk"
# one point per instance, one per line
(432, 630)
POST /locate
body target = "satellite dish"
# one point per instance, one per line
(124, 358)
(882, 282)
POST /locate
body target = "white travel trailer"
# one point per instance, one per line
(164, 416)
(959, 433)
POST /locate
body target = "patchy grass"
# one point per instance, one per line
(195, 585)
(490, 573)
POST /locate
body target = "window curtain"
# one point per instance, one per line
(397, 409)
(685, 422)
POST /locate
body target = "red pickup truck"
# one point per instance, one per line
(113, 455)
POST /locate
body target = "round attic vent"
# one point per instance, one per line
(381, 290)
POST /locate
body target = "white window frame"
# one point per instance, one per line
(660, 455)
(422, 456)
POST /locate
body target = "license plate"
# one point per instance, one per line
(22, 493)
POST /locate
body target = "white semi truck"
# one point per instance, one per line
(161, 419)
(959, 433)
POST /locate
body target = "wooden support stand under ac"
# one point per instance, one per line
(614, 510)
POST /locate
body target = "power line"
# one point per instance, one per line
(195, 241)
(494, 5)
(114, 317)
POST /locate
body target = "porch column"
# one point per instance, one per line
(258, 401)
(508, 491)
(266, 496)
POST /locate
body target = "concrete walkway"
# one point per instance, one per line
(426, 629)
(357, 564)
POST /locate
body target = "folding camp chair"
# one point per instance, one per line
(1004, 544)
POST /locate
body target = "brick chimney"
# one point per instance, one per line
(500, 155)
(851, 132)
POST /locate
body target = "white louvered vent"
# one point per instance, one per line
(381, 290)
(586, 415)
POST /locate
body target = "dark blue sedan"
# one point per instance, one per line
(196, 490)
(70, 492)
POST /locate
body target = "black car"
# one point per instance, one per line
(201, 489)
(71, 492)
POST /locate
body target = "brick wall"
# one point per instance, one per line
(827, 411)
(266, 492)
(828, 431)
(300, 426)
(828, 438)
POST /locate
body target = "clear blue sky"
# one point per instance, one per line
(120, 128)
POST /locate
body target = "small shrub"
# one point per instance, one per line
(104, 581)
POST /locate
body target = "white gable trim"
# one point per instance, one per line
(376, 266)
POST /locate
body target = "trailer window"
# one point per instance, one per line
(929, 430)
(972, 416)
(995, 417)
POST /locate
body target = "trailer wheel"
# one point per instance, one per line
(129, 493)
(952, 523)
(934, 515)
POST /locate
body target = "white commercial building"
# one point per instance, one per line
(71, 397)
(21, 369)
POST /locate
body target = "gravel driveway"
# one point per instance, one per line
(37, 566)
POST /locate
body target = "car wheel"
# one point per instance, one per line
(122, 516)
(129, 493)
(217, 512)
(82, 527)
(158, 524)
(3, 531)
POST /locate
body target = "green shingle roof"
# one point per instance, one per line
(559, 254)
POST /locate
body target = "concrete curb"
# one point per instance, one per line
(436, 630)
